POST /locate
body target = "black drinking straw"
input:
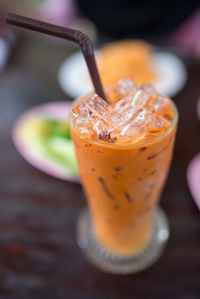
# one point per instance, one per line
(66, 33)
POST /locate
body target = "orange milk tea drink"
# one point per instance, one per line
(124, 149)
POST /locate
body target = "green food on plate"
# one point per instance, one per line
(52, 139)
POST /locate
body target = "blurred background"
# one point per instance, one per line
(149, 41)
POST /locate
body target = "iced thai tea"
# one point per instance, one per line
(124, 148)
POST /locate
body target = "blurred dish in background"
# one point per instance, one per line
(193, 172)
(4, 53)
(134, 59)
(42, 137)
(127, 59)
(193, 178)
(7, 39)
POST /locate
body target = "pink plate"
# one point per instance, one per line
(57, 110)
(193, 171)
(193, 178)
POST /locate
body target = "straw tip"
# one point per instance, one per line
(9, 17)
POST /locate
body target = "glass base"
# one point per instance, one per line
(107, 261)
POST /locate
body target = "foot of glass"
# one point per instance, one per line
(108, 262)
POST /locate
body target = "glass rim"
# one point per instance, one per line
(129, 145)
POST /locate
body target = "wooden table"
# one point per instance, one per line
(39, 257)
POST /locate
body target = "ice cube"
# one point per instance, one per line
(125, 108)
(163, 106)
(117, 92)
(98, 105)
(148, 88)
(94, 113)
(133, 127)
(155, 124)
(135, 138)
(130, 132)
(125, 87)
(80, 114)
(140, 99)
(85, 130)
(99, 126)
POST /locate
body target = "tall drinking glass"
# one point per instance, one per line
(123, 230)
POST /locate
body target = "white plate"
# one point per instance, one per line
(172, 75)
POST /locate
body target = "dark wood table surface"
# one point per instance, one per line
(39, 257)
